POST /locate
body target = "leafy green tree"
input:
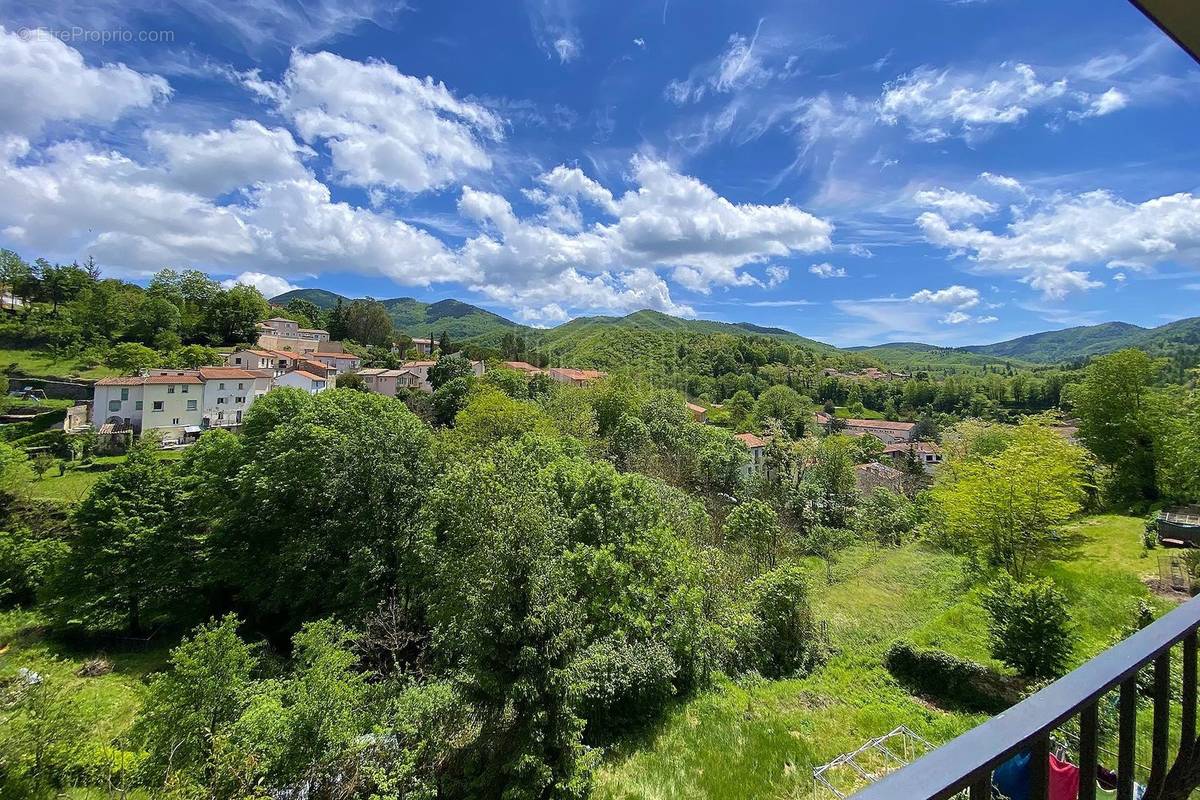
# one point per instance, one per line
(447, 368)
(131, 358)
(304, 311)
(785, 405)
(1117, 417)
(740, 408)
(129, 562)
(194, 356)
(233, 315)
(351, 380)
(889, 518)
(491, 416)
(1029, 626)
(1177, 476)
(1010, 507)
(825, 543)
(299, 554)
(368, 322)
(756, 525)
(152, 317)
(785, 641)
(451, 398)
(190, 709)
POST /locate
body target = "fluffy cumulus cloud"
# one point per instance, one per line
(77, 199)
(827, 270)
(1103, 104)
(669, 221)
(957, 296)
(269, 285)
(44, 80)
(218, 161)
(1049, 247)
(382, 128)
(937, 104)
(954, 205)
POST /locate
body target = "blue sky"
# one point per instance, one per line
(949, 172)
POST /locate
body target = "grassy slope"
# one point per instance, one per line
(763, 740)
(759, 739)
(40, 364)
(78, 480)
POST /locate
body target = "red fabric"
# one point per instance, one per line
(1064, 780)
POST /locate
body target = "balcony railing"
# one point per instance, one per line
(966, 764)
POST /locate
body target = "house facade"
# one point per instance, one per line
(277, 361)
(304, 380)
(340, 362)
(756, 448)
(886, 431)
(279, 333)
(167, 404)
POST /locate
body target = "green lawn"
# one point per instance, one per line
(762, 740)
(73, 486)
(40, 364)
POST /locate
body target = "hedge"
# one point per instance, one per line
(952, 681)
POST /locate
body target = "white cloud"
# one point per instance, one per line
(862, 251)
(382, 127)
(936, 105)
(1119, 277)
(956, 318)
(640, 42)
(551, 313)
(219, 161)
(737, 67)
(79, 200)
(553, 24)
(669, 222)
(1094, 228)
(269, 285)
(827, 270)
(776, 276)
(954, 205)
(987, 320)
(43, 80)
(957, 296)
(1002, 182)
(1103, 104)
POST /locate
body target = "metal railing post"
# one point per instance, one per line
(1127, 738)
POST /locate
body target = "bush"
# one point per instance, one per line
(953, 681)
(783, 636)
(1029, 626)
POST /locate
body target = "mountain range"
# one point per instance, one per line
(465, 321)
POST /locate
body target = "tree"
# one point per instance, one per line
(41, 464)
(447, 368)
(194, 356)
(131, 358)
(1010, 506)
(305, 311)
(887, 517)
(1177, 476)
(756, 525)
(785, 639)
(368, 322)
(191, 707)
(449, 399)
(1117, 419)
(296, 554)
(740, 407)
(152, 317)
(351, 380)
(825, 543)
(233, 315)
(130, 563)
(785, 405)
(45, 731)
(1029, 626)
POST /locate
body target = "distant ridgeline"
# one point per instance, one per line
(612, 342)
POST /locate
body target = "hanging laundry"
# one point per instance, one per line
(1064, 780)
(1011, 778)
(1106, 778)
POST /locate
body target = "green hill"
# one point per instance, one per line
(415, 318)
(1065, 345)
(913, 356)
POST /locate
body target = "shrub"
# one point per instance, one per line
(784, 637)
(953, 681)
(1029, 626)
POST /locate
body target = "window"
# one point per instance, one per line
(220, 401)
(184, 388)
(175, 421)
(124, 394)
(241, 386)
(114, 405)
(171, 389)
(221, 386)
(239, 399)
(137, 406)
(191, 406)
(237, 359)
(158, 405)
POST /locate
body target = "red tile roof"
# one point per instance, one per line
(305, 374)
(750, 440)
(135, 380)
(337, 356)
(167, 379)
(226, 373)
